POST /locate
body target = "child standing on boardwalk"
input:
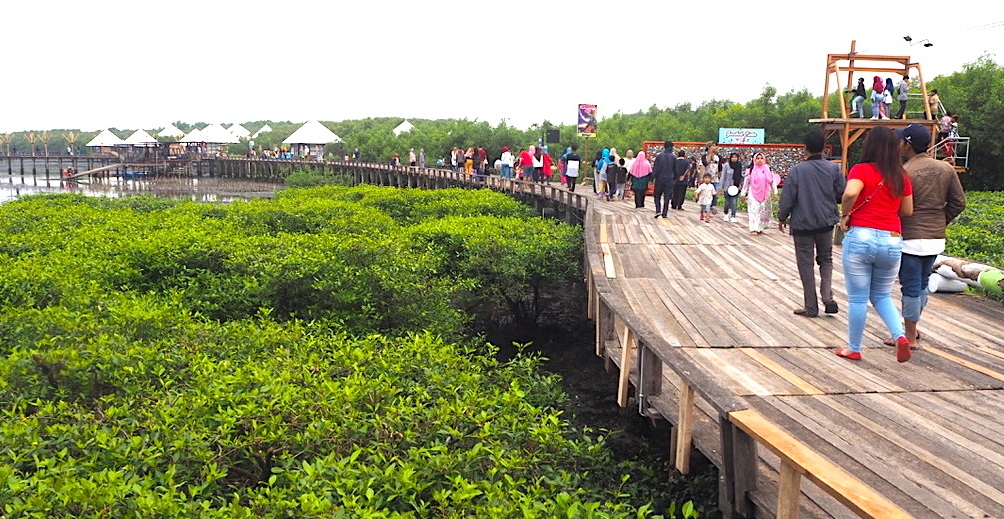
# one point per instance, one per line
(705, 194)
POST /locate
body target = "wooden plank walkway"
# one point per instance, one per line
(921, 439)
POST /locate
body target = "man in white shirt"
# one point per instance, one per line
(572, 162)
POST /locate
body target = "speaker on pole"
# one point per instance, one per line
(553, 136)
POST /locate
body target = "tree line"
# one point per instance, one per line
(975, 93)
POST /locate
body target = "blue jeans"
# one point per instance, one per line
(506, 171)
(731, 203)
(914, 272)
(858, 105)
(871, 261)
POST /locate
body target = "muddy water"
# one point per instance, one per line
(197, 189)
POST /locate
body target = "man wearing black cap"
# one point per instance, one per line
(937, 199)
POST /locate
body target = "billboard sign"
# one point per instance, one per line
(740, 135)
(587, 121)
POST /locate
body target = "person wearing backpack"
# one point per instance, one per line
(901, 96)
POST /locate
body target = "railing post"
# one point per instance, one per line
(649, 376)
(739, 470)
(627, 341)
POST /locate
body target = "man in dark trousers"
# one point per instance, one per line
(937, 199)
(663, 173)
(812, 190)
(683, 178)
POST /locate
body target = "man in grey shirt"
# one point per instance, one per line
(811, 192)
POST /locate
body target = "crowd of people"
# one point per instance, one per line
(883, 93)
(892, 208)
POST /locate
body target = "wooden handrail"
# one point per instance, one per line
(798, 459)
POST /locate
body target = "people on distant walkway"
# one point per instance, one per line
(934, 104)
(760, 184)
(641, 174)
(421, 158)
(572, 164)
(858, 101)
(506, 163)
(537, 156)
(732, 181)
(876, 98)
(526, 163)
(901, 95)
(937, 199)
(547, 171)
(887, 97)
(812, 190)
(412, 160)
(602, 185)
(664, 175)
(469, 160)
(878, 193)
(619, 179)
(684, 171)
(953, 138)
(711, 162)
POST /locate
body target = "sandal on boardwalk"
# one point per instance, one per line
(848, 354)
(903, 353)
(889, 341)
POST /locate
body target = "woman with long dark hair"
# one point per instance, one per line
(732, 180)
(878, 192)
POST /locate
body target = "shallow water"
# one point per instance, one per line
(196, 189)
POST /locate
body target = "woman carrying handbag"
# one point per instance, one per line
(878, 192)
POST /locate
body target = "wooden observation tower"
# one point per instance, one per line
(842, 69)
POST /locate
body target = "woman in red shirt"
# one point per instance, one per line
(878, 192)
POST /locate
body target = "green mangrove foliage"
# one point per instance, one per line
(978, 233)
(296, 357)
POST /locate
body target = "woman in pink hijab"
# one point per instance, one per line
(876, 98)
(761, 185)
(641, 171)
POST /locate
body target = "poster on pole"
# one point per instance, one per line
(587, 121)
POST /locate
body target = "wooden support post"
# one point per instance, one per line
(727, 476)
(649, 376)
(788, 491)
(604, 325)
(738, 474)
(744, 461)
(685, 424)
(627, 346)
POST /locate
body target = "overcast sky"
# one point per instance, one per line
(139, 64)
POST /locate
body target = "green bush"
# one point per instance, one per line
(296, 357)
(978, 233)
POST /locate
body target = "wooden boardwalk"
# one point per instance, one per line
(701, 315)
